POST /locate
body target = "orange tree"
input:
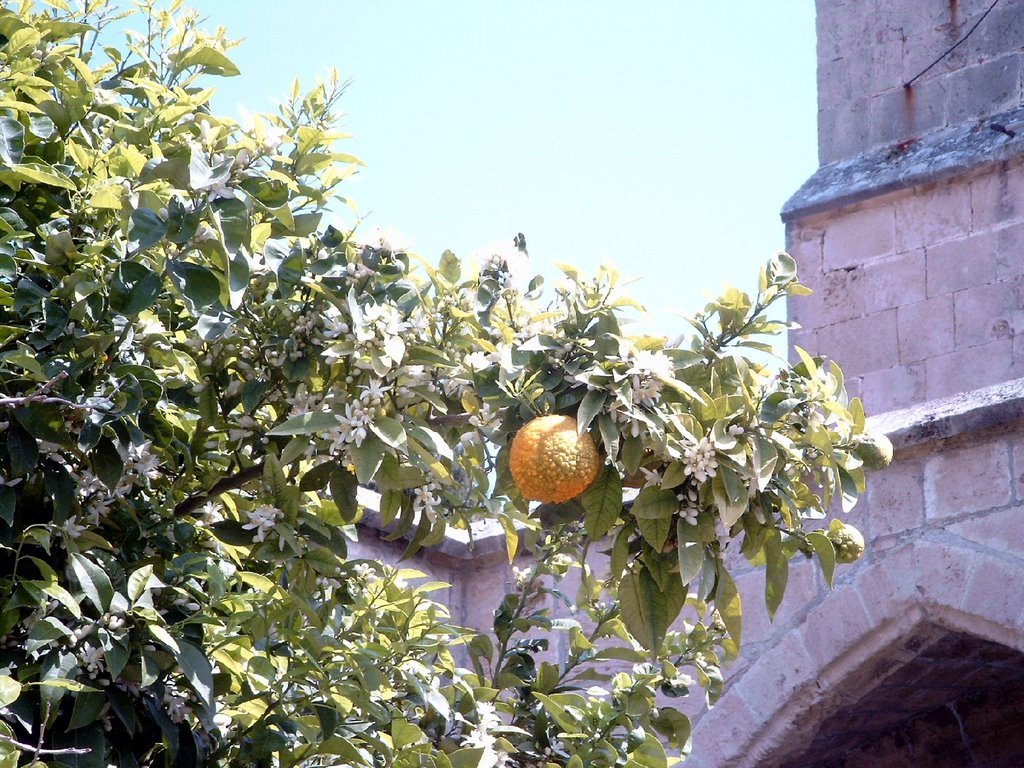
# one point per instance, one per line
(197, 376)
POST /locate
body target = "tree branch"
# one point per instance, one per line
(225, 484)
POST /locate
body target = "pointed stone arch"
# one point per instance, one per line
(932, 595)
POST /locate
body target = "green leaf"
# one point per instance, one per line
(22, 450)
(650, 754)
(35, 173)
(88, 706)
(198, 285)
(8, 503)
(93, 580)
(776, 573)
(603, 502)
(344, 487)
(135, 287)
(727, 601)
(12, 140)
(467, 757)
(826, 553)
(107, 463)
(197, 670)
(655, 530)
(643, 609)
(10, 690)
(146, 227)
(306, 424)
(44, 421)
(210, 59)
(389, 430)
(690, 554)
(591, 405)
(674, 726)
(653, 503)
(367, 458)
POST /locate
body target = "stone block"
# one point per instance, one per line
(722, 733)
(860, 236)
(802, 591)
(925, 328)
(897, 387)
(970, 368)
(773, 679)
(997, 197)
(991, 595)
(967, 480)
(896, 496)
(838, 624)
(843, 130)
(988, 313)
(1000, 531)
(867, 343)
(1010, 252)
(932, 215)
(904, 113)
(961, 264)
(985, 89)
(888, 586)
(804, 244)
(943, 573)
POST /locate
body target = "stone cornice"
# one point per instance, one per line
(932, 156)
(972, 411)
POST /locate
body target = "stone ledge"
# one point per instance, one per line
(933, 156)
(947, 417)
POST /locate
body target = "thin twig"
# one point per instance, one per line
(36, 750)
(42, 395)
(954, 46)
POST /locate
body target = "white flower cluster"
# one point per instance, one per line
(262, 520)
(427, 501)
(647, 371)
(689, 507)
(700, 460)
(177, 705)
(482, 736)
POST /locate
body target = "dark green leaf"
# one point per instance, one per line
(196, 668)
(690, 554)
(603, 502)
(12, 140)
(43, 421)
(134, 288)
(94, 581)
(343, 490)
(776, 574)
(826, 553)
(22, 450)
(146, 228)
(197, 284)
(643, 609)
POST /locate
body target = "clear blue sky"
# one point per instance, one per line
(660, 136)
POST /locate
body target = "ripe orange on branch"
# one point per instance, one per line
(551, 462)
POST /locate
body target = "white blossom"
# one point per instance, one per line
(700, 460)
(262, 520)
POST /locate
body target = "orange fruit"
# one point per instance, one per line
(551, 462)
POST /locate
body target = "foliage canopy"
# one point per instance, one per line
(197, 377)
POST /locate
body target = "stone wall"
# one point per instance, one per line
(912, 236)
(868, 50)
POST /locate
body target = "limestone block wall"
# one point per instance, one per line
(868, 50)
(919, 293)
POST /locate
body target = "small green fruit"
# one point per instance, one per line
(874, 449)
(848, 541)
